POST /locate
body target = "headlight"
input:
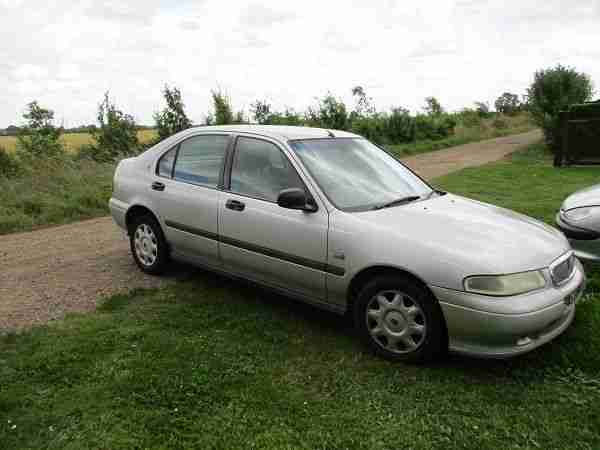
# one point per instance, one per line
(504, 285)
(576, 214)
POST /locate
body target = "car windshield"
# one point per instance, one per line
(356, 175)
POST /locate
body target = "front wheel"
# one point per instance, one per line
(400, 320)
(148, 245)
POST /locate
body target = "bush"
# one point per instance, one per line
(223, 112)
(500, 123)
(399, 126)
(172, 119)
(9, 166)
(374, 128)
(434, 127)
(330, 112)
(469, 118)
(116, 136)
(288, 117)
(39, 138)
(552, 91)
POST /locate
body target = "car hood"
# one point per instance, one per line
(465, 236)
(585, 197)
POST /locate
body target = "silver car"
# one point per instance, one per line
(579, 220)
(331, 219)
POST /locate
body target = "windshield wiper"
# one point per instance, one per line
(435, 191)
(398, 201)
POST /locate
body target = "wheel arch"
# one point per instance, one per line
(137, 210)
(364, 275)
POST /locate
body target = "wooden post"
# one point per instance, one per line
(562, 150)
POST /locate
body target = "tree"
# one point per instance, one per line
(483, 109)
(508, 104)
(172, 119)
(223, 112)
(433, 106)
(330, 112)
(363, 103)
(12, 130)
(39, 138)
(553, 90)
(261, 110)
(116, 135)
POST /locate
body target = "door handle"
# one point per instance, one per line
(236, 205)
(158, 186)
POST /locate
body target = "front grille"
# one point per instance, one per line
(563, 271)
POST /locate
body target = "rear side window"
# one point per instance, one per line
(165, 165)
(200, 159)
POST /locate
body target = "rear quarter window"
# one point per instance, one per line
(165, 163)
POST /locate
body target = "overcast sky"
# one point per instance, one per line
(66, 54)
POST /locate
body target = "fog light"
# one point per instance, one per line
(524, 341)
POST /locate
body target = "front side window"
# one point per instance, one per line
(199, 160)
(356, 175)
(261, 170)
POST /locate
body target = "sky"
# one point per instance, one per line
(67, 54)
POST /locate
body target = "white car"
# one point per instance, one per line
(331, 219)
(579, 220)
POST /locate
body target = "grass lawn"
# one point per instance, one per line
(211, 363)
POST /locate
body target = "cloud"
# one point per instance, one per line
(190, 25)
(258, 15)
(433, 48)
(139, 12)
(66, 55)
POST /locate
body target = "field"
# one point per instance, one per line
(211, 363)
(73, 141)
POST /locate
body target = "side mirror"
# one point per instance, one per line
(295, 198)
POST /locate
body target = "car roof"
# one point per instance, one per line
(281, 132)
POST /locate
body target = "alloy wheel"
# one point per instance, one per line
(396, 321)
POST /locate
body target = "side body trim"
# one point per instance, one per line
(316, 265)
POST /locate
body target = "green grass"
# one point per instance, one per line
(210, 363)
(54, 192)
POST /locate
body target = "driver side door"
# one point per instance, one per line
(261, 240)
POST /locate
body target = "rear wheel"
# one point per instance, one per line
(148, 245)
(400, 320)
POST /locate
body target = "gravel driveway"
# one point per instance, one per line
(47, 273)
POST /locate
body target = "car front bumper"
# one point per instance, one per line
(502, 327)
(585, 243)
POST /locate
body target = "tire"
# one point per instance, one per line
(400, 320)
(148, 245)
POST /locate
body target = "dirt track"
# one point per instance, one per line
(47, 273)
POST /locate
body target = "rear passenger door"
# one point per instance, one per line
(261, 240)
(186, 190)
